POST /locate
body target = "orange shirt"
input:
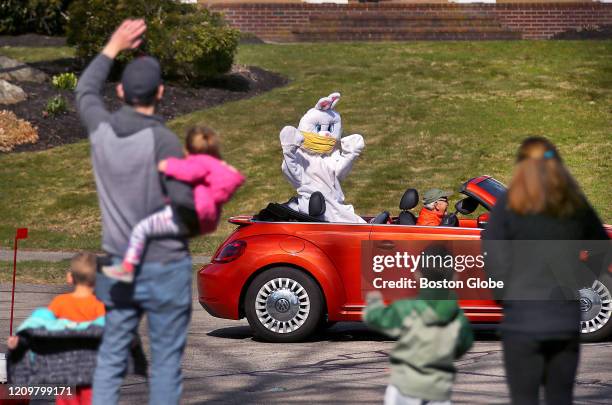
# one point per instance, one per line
(429, 217)
(77, 309)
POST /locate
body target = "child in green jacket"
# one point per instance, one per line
(431, 333)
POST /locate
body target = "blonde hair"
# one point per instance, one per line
(541, 183)
(202, 140)
(83, 269)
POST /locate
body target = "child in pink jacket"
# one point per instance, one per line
(214, 182)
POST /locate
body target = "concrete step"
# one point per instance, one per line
(403, 34)
(401, 23)
(398, 15)
(408, 30)
(406, 37)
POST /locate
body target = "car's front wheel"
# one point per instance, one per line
(283, 304)
(596, 310)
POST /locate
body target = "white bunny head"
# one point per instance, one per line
(323, 119)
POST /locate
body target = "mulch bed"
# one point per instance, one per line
(242, 82)
(602, 32)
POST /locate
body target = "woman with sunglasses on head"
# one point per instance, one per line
(531, 245)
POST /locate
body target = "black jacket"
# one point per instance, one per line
(537, 258)
(64, 357)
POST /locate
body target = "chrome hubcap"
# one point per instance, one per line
(595, 307)
(282, 305)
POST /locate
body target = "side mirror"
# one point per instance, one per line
(466, 206)
(482, 220)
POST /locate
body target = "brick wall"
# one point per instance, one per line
(275, 21)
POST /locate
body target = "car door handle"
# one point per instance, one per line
(386, 245)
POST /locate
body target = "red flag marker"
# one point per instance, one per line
(22, 233)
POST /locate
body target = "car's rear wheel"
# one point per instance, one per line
(596, 310)
(283, 304)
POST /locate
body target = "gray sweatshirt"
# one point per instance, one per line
(125, 149)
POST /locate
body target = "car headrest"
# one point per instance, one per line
(316, 204)
(409, 200)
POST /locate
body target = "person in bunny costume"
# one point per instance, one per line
(316, 158)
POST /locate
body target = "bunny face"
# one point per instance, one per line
(327, 123)
(323, 119)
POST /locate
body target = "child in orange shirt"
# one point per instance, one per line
(80, 305)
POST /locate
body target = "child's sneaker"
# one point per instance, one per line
(119, 272)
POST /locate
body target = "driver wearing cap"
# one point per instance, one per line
(435, 204)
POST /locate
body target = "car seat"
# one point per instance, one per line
(409, 200)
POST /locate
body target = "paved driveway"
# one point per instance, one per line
(346, 364)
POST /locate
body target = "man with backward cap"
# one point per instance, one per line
(126, 146)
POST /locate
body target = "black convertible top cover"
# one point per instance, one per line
(276, 212)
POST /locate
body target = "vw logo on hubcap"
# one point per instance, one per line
(595, 307)
(585, 304)
(282, 305)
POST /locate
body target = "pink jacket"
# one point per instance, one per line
(214, 182)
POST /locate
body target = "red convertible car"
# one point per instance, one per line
(290, 273)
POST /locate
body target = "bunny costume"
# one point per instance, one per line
(314, 162)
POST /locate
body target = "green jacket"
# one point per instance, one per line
(431, 334)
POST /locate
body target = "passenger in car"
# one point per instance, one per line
(435, 204)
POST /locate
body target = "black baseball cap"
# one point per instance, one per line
(140, 80)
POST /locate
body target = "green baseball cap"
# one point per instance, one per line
(434, 195)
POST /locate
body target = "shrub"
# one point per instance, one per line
(15, 131)
(40, 16)
(192, 44)
(56, 105)
(65, 81)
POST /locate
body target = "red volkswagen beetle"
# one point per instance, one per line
(290, 274)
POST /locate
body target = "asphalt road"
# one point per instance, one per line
(223, 363)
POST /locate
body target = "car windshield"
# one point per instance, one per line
(493, 187)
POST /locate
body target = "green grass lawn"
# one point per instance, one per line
(30, 55)
(35, 271)
(433, 114)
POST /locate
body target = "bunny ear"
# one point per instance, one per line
(334, 97)
(323, 103)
